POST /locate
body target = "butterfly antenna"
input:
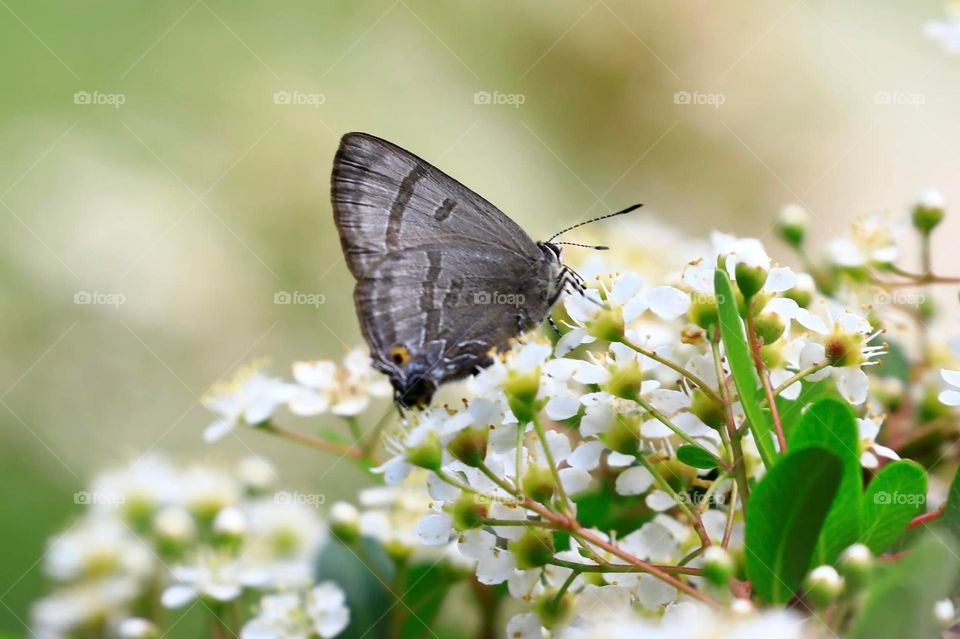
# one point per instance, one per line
(596, 247)
(596, 219)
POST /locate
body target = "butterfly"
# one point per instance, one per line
(443, 277)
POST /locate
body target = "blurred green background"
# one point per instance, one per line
(175, 157)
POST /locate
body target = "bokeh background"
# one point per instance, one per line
(165, 174)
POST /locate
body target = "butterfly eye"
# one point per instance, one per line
(400, 354)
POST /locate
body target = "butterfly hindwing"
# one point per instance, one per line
(432, 314)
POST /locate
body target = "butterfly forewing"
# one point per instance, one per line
(386, 199)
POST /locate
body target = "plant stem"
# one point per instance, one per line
(810, 370)
(646, 352)
(739, 463)
(314, 442)
(755, 345)
(620, 568)
(663, 419)
(665, 486)
(542, 435)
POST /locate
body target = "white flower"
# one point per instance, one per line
(284, 538)
(256, 474)
(946, 32)
(494, 564)
(212, 574)
(319, 611)
(96, 547)
(870, 450)
(61, 613)
(145, 485)
(250, 398)
(950, 396)
(343, 390)
(873, 240)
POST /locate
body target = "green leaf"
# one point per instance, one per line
(424, 588)
(951, 516)
(831, 424)
(741, 365)
(361, 571)
(895, 496)
(697, 457)
(791, 410)
(901, 595)
(784, 516)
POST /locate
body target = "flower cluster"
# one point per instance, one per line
(157, 534)
(642, 470)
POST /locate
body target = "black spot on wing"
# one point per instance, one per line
(404, 193)
(444, 210)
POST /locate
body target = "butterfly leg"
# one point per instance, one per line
(553, 324)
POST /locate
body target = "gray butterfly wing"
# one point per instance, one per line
(433, 313)
(386, 199)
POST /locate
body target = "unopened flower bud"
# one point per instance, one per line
(607, 325)
(803, 291)
(742, 608)
(718, 566)
(625, 380)
(750, 279)
(703, 311)
(470, 511)
(345, 521)
(928, 211)
(945, 613)
(521, 389)
(769, 327)
(174, 529)
(256, 474)
(823, 586)
(470, 445)
(538, 484)
(427, 454)
(792, 225)
(137, 628)
(856, 563)
(230, 525)
(710, 412)
(533, 549)
(624, 435)
(552, 610)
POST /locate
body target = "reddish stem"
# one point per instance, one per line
(933, 515)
